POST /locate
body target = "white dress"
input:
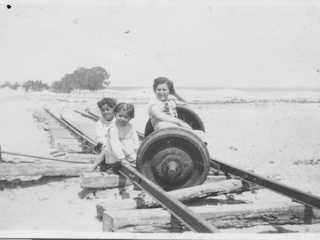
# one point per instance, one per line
(168, 107)
(123, 142)
(102, 127)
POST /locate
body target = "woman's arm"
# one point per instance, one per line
(177, 100)
(179, 97)
(155, 111)
(180, 103)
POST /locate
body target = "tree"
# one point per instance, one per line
(27, 85)
(83, 78)
(98, 75)
(15, 86)
(56, 86)
(9, 85)
(36, 85)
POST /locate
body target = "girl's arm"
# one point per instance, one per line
(115, 144)
(155, 111)
(98, 160)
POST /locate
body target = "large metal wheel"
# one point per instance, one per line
(186, 115)
(173, 158)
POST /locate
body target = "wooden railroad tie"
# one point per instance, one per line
(183, 195)
(222, 216)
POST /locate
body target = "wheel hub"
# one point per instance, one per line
(171, 165)
(173, 158)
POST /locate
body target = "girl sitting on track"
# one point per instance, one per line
(106, 106)
(123, 141)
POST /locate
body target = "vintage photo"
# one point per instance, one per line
(160, 119)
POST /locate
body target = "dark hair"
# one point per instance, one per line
(129, 108)
(161, 80)
(111, 102)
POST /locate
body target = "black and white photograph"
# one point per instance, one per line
(160, 119)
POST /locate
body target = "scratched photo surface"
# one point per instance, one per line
(250, 70)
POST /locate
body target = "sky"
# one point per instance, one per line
(195, 43)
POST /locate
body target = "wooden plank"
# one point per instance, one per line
(95, 184)
(67, 142)
(19, 159)
(68, 148)
(213, 179)
(183, 195)
(222, 216)
(42, 169)
(89, 157)
(64, 136)
(103, 180)
(64, 139)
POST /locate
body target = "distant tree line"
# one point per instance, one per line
(11, 86)
(81, 79)
(36, 85)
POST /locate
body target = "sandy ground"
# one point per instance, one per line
(278, 140)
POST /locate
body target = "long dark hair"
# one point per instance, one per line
(162, 80)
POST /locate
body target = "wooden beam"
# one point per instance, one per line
(82, 156)
(37, 159)
(211, 189)
(222, 216)
(42, 169)
(93, 179)
(103, 180)
(184, 195)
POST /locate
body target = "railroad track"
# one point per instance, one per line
(192, 220)
(179, 210)
(300, 196)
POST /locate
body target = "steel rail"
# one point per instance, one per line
(87, 115)
(293, 193)
(192, 220)
(77, 130)
(307, 199)
(92, 113)
(73, 129)
(175, 207)
(44, 158)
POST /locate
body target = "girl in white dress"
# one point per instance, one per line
(123, 141)
(106, 106)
